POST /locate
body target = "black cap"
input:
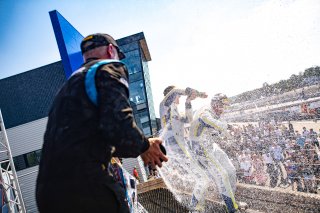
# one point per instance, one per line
(97, 40)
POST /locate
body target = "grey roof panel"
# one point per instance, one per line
(28, 96)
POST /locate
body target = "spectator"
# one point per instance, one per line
(246, 166)
(291, 129)
(278, 159)
(271, 169)
(292, 173)
(299, 160)
(136, 174)
(258, 170)
(156, 174)
(308, 176)
(314, 137)
(305, 132)
(300, 140)
(316, 171)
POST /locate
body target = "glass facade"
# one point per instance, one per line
(141, 98)
(152, 113)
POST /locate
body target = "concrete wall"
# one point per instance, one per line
(277, 200)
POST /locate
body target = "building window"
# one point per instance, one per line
(145, 125)
(133, 64)
(19, 162)
(33, 158)
(27, 160)
(137, 94)
(147, 131)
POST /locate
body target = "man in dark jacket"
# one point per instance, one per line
(83, 133)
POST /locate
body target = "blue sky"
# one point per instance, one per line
(215, 46)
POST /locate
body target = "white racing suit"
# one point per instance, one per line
(172, 123)
(205, 130)
(181, 167)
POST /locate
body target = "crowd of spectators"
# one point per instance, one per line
(275, 155)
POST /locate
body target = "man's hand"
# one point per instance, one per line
(193, 94)
(154, 155)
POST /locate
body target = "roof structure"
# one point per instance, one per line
(27, 96)
(142, 42)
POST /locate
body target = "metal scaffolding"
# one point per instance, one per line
(8, 176)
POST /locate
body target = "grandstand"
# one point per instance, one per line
(283, 107)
